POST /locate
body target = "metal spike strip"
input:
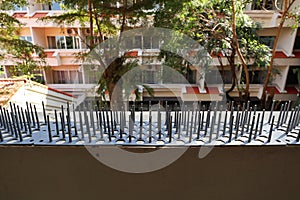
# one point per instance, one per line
(101, 126)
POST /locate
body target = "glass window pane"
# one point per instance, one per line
(60, 40)
(147, 42)
(69, 42)
(51, 42)
(137, 42)
(155, 43)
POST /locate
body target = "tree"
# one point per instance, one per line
(98, 14)
(26, 56)
(287, 12)
(222, 28)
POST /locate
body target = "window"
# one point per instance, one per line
(67, 77)
(146, 42)
(267, 40)
(137, 42)
(257, 76)
(292, 77)
(150, 42)
(226, 76)
(27, 38)
(63, 42)
(267, 4)
(297, 43)
(128, 43)
(52, 6)
(213, 77)
(149, 76)
(142, 42)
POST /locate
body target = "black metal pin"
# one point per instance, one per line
(141, 126)
(24, 120)
(108, 124)
(28, 122)
(81, 126)
(249, 119)
(88, 131)
(202, 119)
(62, 125)
(298, 136)
(56, 123)
(237, 117)
(131, 124)
(3, 118)
(243, 114)
(27, 106)
(296, 117)
(75, 121)
(288, 108)
(44, 112)
(62, 119)
(159, 125)
(289, 124)
(69, 127)
(212, 127)
(14, 123)
(49, 129)
(36, 118)
(262, 122)
(93, 122)
(244, 122)
(251, 130)
(271, 130)
(256, 126)
(191, 129)
(179, 126)
(1, 136)
(230, 128)
(237, 126)
(271, 112)
(150, 127)
(170, 129)
(218, 125)
(18, 128)
(279, 117)
(32, 115)
(225, 123)
(187, 124)
(20, 117)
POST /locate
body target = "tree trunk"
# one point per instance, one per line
(91, 23)
(287, 6)
(236, 43)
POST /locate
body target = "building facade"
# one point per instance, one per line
(69, 74)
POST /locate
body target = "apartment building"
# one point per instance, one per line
(69, 74)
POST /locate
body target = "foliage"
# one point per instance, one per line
(107, 18)
(25, 56)
(210, 23)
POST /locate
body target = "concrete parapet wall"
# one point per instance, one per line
(258, 172)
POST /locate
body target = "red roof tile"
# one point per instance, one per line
(297, 54)
(270, 88)
(291, 90)
(131, 53)
(39, 15)
(280, 54)
(49, 54)
(19, 14)
(192, 90)
(212, 90)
